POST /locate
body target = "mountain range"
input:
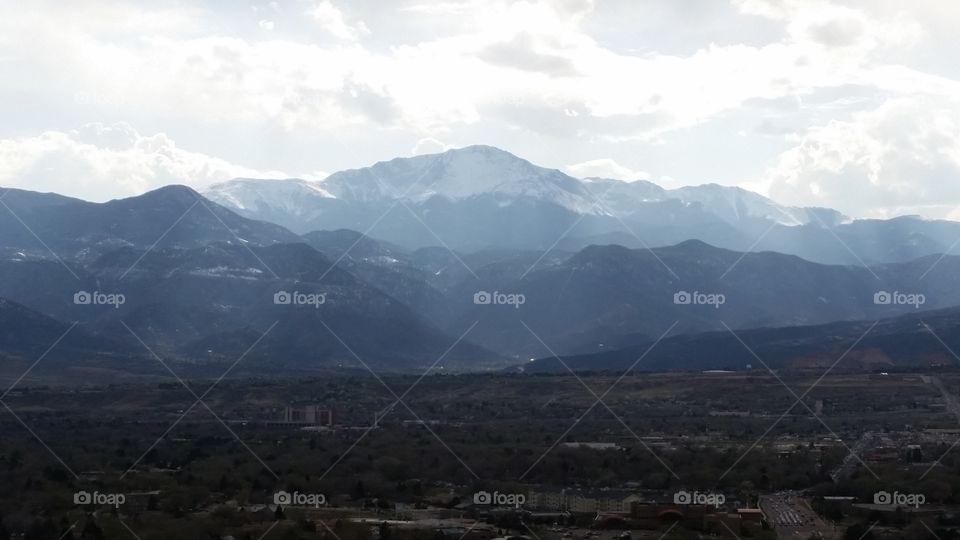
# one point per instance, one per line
(480, 197)
(473, 259)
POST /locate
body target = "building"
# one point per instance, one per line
(582, 501)
(713, 521)
(308, 415)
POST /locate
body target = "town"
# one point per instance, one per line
(673, 455)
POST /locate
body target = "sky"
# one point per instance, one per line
(853, 105)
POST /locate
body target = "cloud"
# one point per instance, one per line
(900, 158)
(429, 145)
(448, 82)
(97, 162)
(605, 168)
(331, 19)
(577, 73)
(520, 52)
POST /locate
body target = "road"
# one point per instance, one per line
(791, 516)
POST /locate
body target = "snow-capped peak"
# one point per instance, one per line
(292, 195)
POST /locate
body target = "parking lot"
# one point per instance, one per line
(792, 517)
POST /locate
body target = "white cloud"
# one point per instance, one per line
(901, 158)
(98, 162)
(605, 168)
(385, 77)
(429, 145)
(331, 19)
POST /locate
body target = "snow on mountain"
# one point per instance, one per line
(735, 205)
(488, 174)
(281, 201)
(624, 198)
(460, 174)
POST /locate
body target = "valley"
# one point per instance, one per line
(408, 455)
